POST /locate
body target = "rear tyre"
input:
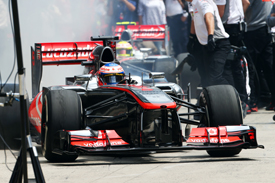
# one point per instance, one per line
(223, 108)
(61, 109)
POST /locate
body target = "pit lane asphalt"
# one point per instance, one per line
(253, 166)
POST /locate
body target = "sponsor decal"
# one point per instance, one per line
(38, 104)
(144, 31)
(35, 121)
(38, 54)
(66, 54)
(119, 30)
(212, 131)
(152, 32)
(35, 111)
(102, 144)
(212, 140)
(65, 51)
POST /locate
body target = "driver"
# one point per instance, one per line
(124, 49)
(110, 74)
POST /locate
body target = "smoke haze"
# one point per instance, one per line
(49, 21)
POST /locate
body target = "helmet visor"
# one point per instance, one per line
(125, 52)
(112, 78)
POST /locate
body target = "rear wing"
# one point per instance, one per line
(62, 53)
(146, 33)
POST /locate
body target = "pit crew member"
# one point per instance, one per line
(232, 15)
(258, 42)
(210, 33)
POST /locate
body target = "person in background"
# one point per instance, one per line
(232, 15)
(196, 49)
(246, 4)
(177, 20)
(270, 20)
(258, 42)
(152, 12)
(121, 11)
(208, 28)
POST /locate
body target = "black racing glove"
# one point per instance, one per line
(211, 43)
(191, 43)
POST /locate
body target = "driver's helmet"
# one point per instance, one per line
(124, 49)
(110, 73)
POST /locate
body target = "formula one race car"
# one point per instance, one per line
(136, 55)
(135, 48)
(106, 112)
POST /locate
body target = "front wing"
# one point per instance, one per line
(109, 142)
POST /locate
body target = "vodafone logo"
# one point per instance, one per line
(101, 144)
(212, 131)
(212, 140)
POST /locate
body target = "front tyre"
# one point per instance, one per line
(61, 109)
(223, 107)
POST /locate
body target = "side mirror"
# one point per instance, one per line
(156, 75)
(85, 77)
(146, 50)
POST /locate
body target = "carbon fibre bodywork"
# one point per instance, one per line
(129, 117)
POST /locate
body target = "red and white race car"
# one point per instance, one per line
(141, 57)
(87, 118)
(133, 49)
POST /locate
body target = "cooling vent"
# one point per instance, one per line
(164, 87)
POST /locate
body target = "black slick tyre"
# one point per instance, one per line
(223, 107)
(61, 109)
